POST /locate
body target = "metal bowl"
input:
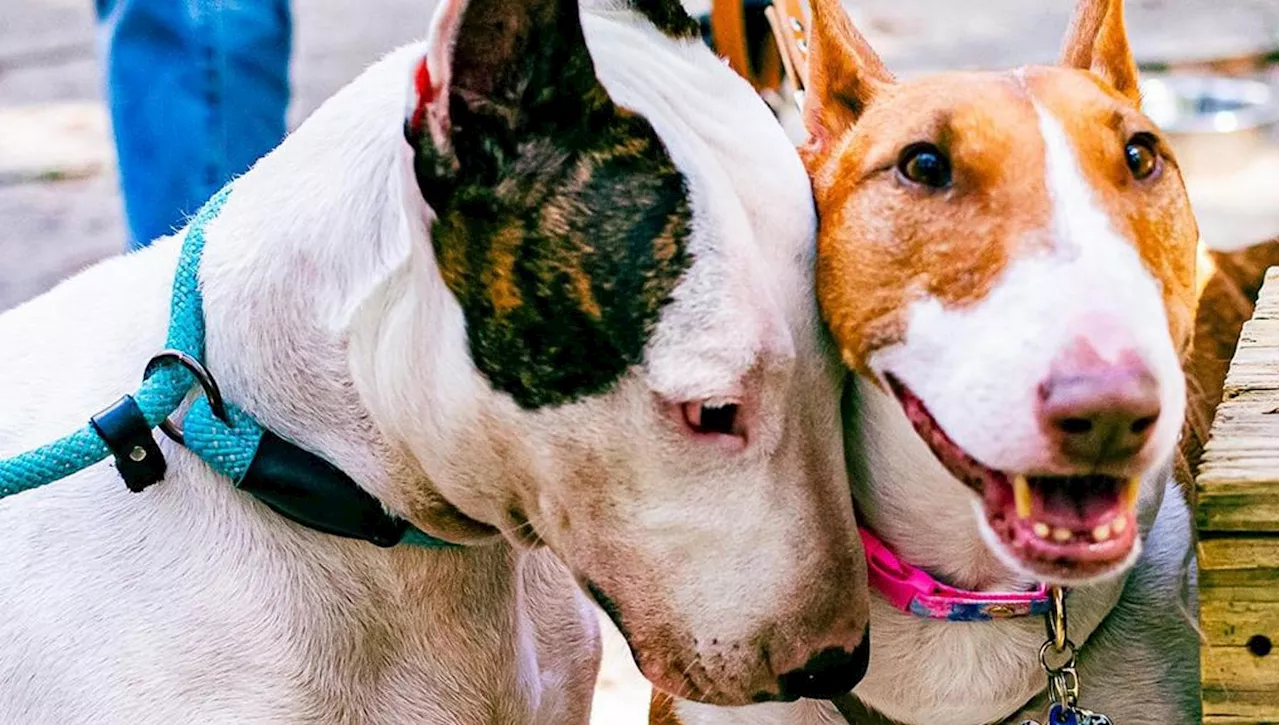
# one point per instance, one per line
(1216, 123)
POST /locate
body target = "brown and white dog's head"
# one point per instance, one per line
(1010, 255)
(631, 367)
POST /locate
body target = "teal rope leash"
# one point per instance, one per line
(160, 394)
(295, 483)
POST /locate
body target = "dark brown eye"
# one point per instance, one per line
(1141, 157)
(925, 164)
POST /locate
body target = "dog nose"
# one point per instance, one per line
(1099, 413)
(830, 673)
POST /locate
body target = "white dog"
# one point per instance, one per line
(570, 329)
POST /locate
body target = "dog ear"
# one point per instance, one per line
(1097, 42)
(493, 66)
(844, 73)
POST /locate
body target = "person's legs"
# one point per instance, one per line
(198, 90)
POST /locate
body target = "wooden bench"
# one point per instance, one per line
(1237, 491)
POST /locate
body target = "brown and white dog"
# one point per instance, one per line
(563, 315)
(1007, 262)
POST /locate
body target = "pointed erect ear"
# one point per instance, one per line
(495, 62)
(1097, 42)
(843, 75)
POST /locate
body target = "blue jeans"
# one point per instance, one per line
(198, 91)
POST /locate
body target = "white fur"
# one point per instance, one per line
(329, 322)
(976, 365)
(977, 369)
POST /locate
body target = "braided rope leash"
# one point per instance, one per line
(225, 437)
(159, 395)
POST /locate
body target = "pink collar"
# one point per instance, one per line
(913, 591)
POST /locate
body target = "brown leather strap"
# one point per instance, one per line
(729, 35)
(761, 66)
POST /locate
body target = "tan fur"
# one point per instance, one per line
(1153, 213)
(1097, 42)
(662, 709)
(883, 242)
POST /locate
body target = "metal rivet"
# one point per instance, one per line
(138, 454)
(1000, 610)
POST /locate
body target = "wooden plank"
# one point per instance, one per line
(1232, 671)
(1234, 623)
(1268, 307)
(1225, 711)
(1253, 506)
(1238, 496)
(1238, 487)
(1246, 593)
(1238, 554)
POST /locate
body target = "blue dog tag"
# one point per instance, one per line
(1063, 715)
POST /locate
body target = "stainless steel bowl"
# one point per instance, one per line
(1216, 123)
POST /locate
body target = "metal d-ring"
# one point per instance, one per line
(202, 376)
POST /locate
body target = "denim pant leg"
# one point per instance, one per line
(198, 91)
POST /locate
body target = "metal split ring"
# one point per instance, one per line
(1069, 648)
(202, 376)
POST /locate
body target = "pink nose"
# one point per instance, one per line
(1098, 412)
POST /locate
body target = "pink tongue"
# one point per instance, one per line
(1075, 502)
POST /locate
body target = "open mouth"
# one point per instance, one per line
(1058, 527)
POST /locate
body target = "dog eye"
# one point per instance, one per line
(707, 417)
(1141, 157)
(925, 164)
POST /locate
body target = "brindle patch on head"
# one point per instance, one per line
(883, 241)
(1153, 214)
(669, 16)
(561, 221)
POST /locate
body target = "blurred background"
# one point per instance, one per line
(1210, 74)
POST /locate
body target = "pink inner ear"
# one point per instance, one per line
(426, 94)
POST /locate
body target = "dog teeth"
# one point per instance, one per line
(1062, 535)
(1101, 533)
(1131, 489)
(1118, 525)
(1022, 497)
(1041, 529)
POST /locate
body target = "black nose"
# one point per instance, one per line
(830, 673)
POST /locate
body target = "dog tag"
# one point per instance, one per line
(1063, 715)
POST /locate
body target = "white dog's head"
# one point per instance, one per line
(632, 368)
(1012, 256)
